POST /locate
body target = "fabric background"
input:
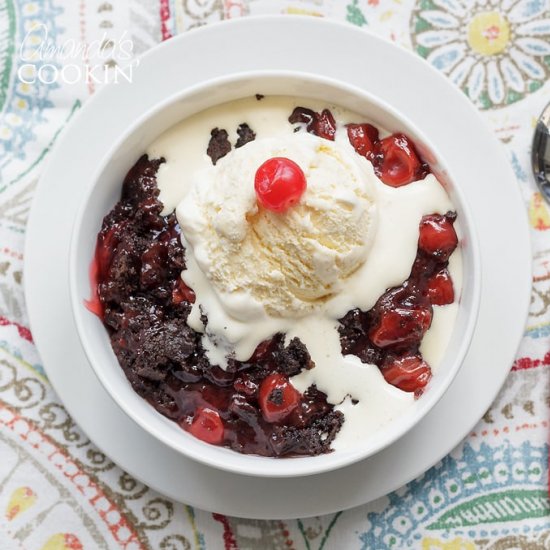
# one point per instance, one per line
(59, 492)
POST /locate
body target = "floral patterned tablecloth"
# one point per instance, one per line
(57, 491)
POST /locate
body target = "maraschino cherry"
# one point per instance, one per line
(279, 183)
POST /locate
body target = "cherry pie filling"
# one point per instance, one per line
(251, 407)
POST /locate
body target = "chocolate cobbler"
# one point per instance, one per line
(252, 407)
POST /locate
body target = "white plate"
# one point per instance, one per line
(356, 57)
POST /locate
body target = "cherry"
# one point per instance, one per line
(320, 124)
(363, 138)
(245, 385)
(279, 183)
(261, 351)
(409, 373)
(437, 236)
(440, 289)
(106, 244)
(402, 325)
(277, 398)
(326, 125)
(397, 163)
(94, 303)
(207, 426)
(182, 293)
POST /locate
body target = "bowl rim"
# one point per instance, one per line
(254, 465)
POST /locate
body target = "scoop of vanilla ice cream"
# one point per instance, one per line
(290, 262)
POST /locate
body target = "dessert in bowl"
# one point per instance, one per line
(280, 274)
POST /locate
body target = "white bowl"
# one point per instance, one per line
(106, 190)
